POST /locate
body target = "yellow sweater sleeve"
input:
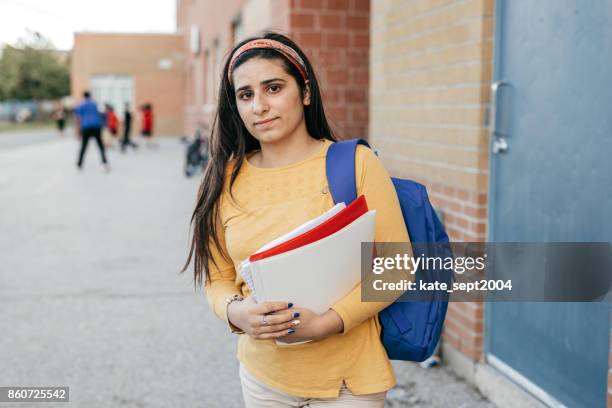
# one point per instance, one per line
(374, 182)
(222, 278)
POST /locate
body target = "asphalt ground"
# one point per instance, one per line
(91, 297)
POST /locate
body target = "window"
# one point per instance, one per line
(116, 90)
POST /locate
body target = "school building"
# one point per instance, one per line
(494, 105)
(120, 68)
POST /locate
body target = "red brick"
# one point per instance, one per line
(360, 40)
(450, 219)
(452, 324)
(361, 78)
(359, 114)
(330, 58)
(338, 113)
(449, 191)
(331, 21)
(434, 188)
(477, 197)
(338, 5)
(358, 131)
(473, 311)
(362, 5)
(336, 39)
(473, 339)
(478, 227)
(355, 95)
(473, 353)
(475, 212)
(481, 198)
(454, 308)
(302, 20)
(338, 76)
(450, 336)
(475, 325)
(357, 57)
(358, 23)
(473, 237)
(310, 4)
(350, 131)
(463, 195)
(309, 39)
(332, 96)
(454, 206)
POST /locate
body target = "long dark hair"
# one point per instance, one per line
(230, 140)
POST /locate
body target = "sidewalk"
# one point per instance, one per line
(14, 139)
(435, 387)
(93, 299)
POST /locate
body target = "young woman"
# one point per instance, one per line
(266, 176)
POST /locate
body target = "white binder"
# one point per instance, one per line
(317, 275)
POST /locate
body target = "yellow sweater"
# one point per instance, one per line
(270, 202)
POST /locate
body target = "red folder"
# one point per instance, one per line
(353, 211)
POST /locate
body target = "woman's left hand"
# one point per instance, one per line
(312, 326)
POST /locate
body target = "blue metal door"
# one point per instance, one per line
(551, 181)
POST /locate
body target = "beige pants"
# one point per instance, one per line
(259, 395)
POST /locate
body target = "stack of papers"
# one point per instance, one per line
(316, 264)
(244, 267)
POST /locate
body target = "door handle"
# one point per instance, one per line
(498, 141)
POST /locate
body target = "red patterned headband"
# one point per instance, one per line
(287, 51)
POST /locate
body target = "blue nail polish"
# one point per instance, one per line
(290, 305)
(296, 314)
(290, 331)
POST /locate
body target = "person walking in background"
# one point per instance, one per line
(88, 124)
(59, 114)
(112, 124)
(127, 128)
(147, 124)
(197, 151)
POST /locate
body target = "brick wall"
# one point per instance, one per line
(333, 33)
(429, 89)
(214, 21)
(335, 36)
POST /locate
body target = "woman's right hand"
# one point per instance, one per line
(263, 321)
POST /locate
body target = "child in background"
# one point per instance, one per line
(147, 124)
(60, 117)
(112, 124)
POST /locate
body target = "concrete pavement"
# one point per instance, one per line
(9, 140)
(91, 298)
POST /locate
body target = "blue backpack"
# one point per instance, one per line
(410, 329)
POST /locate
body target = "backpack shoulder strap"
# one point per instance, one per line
(340, 170)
